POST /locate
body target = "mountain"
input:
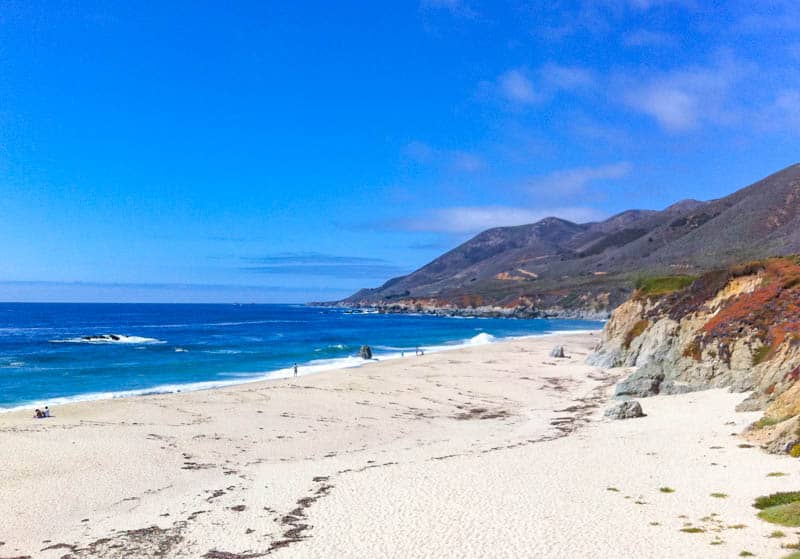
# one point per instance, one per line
(555, 266)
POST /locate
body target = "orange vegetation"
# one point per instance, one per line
(772, 311)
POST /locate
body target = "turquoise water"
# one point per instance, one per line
(54, 353)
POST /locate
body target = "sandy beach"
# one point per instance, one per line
(490, 451)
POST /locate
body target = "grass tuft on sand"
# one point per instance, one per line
(785, 515)
(666, 489)
(774, 499)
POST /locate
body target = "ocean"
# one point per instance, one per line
(51, 354)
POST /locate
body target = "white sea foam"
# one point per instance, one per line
(315, 366)
(109, 339)
(481, 339)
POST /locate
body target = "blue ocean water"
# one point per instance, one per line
(54, 353)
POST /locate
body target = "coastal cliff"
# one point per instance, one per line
(737, 328)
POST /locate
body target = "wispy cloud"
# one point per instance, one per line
(316, 258)
(515, 86)
(783, 113)
(568, 182)
(685, 99)
(151, 286)
(473, 219)
(520, 87)
(567, 78)
(318, 264)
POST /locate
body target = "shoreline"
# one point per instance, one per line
(520, 313)
(487, 451)
(315, 366)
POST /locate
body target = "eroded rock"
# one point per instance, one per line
(625, 410)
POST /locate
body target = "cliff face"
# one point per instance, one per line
(737, 328)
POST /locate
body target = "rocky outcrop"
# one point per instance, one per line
(625, 410)
(737, 328)
(366, 352)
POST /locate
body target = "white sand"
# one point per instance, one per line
(375, 462)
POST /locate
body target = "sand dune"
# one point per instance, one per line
(490, 451)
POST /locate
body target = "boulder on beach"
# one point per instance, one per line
(558, 352)
(366, 352)
(625, 410)
(640, 384)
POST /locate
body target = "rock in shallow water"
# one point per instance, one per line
(366, 352)
(625, 410)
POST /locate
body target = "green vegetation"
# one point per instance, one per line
(720, 495)
(666, 489)
(635, 332)
(612, 489)
(780, 508)
(760, 355)
(794, 452)
(746, 554)
(767, 422)
(777, 474)
(662, 285)
(774, 499)
(777, 534)
(692, 530)
(785, 515)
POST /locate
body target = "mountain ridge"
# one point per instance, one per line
(555, 266)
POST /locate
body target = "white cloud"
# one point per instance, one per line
(473, 219)
(685, 99)
(567, 77)
(783, 113)
(788, 104)
(574, 181)
(466, 162)
(516, 87)
(519, 87)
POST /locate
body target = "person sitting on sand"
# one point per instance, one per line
(46, 411)
(38, 414)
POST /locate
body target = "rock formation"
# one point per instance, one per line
(737, 328)
(625, 410)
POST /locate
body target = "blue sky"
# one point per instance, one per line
(277, 152)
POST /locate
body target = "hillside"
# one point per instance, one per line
(737, 327)
(555, 266)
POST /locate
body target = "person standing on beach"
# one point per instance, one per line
(295, 369)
